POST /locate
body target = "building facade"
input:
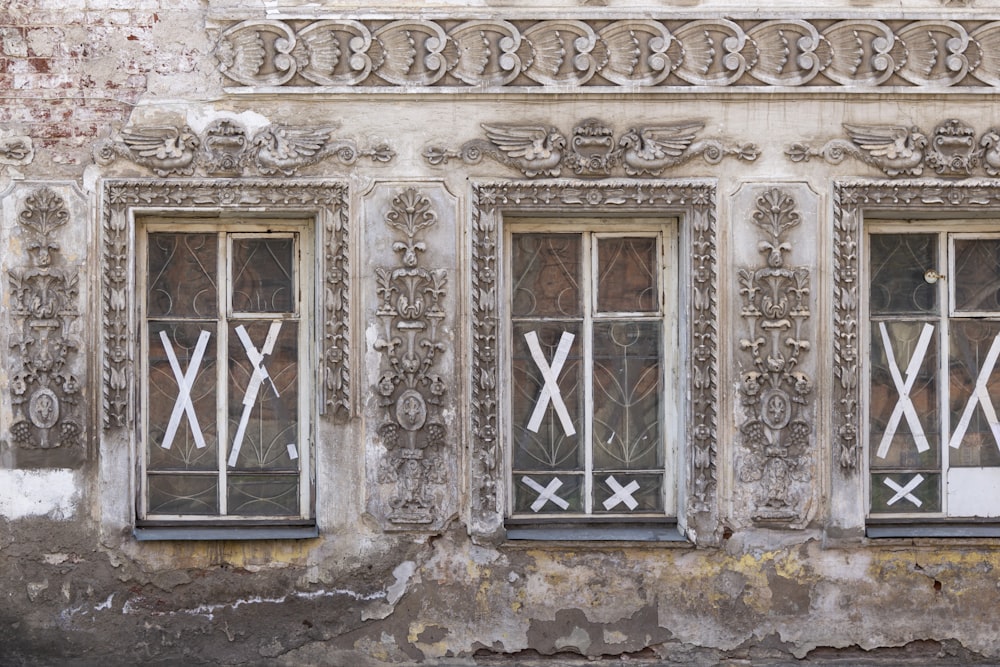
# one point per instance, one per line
(499, 332)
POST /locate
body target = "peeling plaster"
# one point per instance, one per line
(35, 493)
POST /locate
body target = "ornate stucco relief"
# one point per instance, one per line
(853, 201)
(16, 150)
(122, 199)
(953, 149)
(776, 429)
(47, 354)
(410, 387)
(481, 54)
(693, 202)
(226, 148)
(592, 149)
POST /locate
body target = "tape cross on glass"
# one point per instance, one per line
(904, 406)
(185, 382)
(550, 390)
(980, 395)
(257, 378)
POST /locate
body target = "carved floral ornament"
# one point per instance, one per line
(410, 388)
(953, 149)
(694, 203)
(44, 309)
(326, 200)
(592, 150)
(226, 148)
(775, 392)
(552, 54)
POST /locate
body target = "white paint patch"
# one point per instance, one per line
(403, 572)
(293, 453)
(974, 492)
(50, 493)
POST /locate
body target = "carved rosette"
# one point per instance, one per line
(324, 199)
(775, 392)
(410, 388)
(592, 151)
(694, 203)
(226, 148)
(954, 149)
(44, 296)
(483, 54)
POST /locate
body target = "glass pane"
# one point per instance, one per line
(263, 495)
(546, 275)
(902, 493)
(182, 396)
(898, 264)
(627, 396)
(626, 280)
(623, 493)
(904, 430)
(264, 396)
(546, 494)
(181, 275)
(545, 419)
(263, 278)
(183, 494)
(977, 274)
(974, 381)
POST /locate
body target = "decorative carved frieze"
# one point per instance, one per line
(592, 150)
(44, 309)
(694, 203)
(410, 387)
(226, 148)
(553, 55)
(325, 200)
(953, 149)
(852, 202)
(16, 151)
(775, 391)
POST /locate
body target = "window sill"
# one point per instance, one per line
(155, 531)
(593, 531)
(881, 529)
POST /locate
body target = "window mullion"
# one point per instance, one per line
(589, 305)
(222, 371)
(944, 352)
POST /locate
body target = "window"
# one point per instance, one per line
(592, 345)
(224, 433)
(933, 379)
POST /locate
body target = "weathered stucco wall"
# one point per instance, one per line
(772, 568)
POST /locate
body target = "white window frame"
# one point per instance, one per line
(226, 231)
(590, 231)
(946, 314)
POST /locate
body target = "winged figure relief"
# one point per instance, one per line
(650, 150)
(537, 150)
(165, 150)
(894, 149)
(285, 149)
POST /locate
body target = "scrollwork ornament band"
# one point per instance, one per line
(326, 200)
(694, 203)
(483, 54)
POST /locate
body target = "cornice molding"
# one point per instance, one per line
(804, 52)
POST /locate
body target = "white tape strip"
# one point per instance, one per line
(550, 390)
(256, 357)
(904, 406)
(185, 382)
(980, 395)
(293, 453)
(904, 491)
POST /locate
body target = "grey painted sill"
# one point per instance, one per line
(587, 531)
(153, 531)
